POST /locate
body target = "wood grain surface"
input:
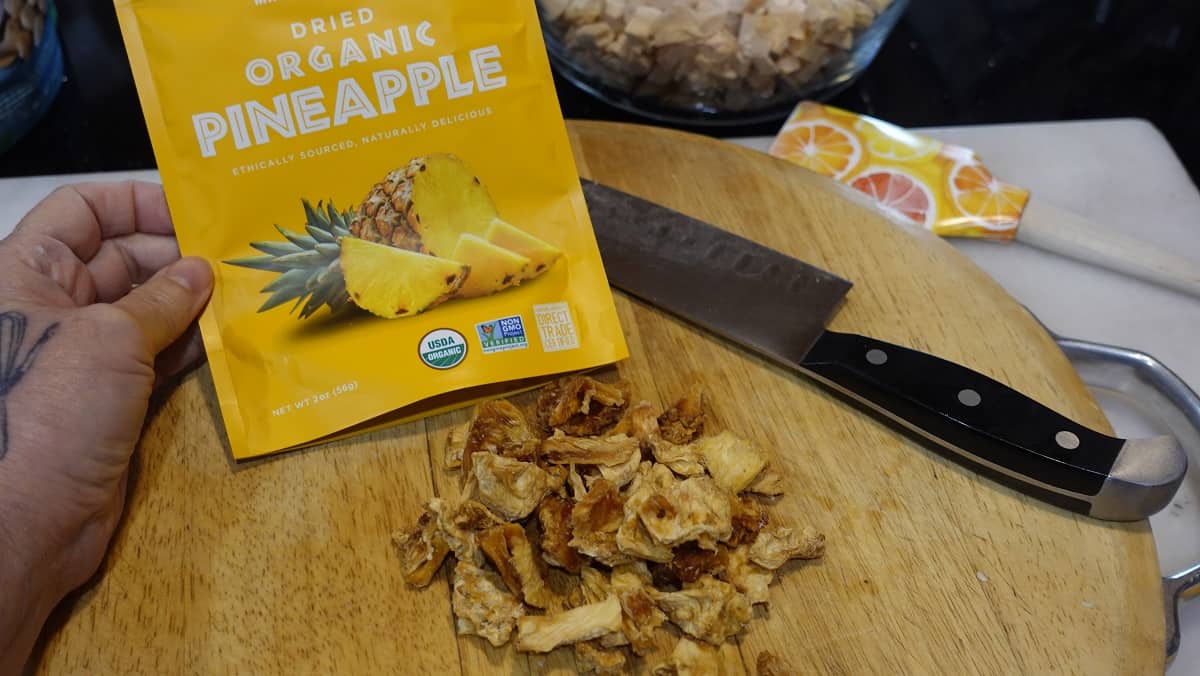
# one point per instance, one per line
(285, 566)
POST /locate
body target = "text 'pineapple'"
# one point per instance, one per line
(307, 110)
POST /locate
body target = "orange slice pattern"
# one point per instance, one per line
(988, 202)
(898, 193)
(942, 187)
(820, 146)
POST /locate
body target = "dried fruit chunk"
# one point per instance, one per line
(509, 550)
(499, 427)
(493, 268)
(632, 536)
(611, 451)
(732, 461)
(421, 550)
(641, 617)
(770, 664)
(554, 517)
(690, 563)
(594, 586)
(772, 549)
(682, 460)
(710, 610)
(575, 481)
(508, 487)
(693, 509)
(690, 658)
(482, 607)
(621, 475)
(393, 283)
(633, 539)
(459, 523)
(592, 658)
(749, 518)
(541, 634)
(595, 521)
(581, 406)
(768, 483)
(640, 422)
(456, 444)
(746, 576)
(684, 421)
(494, 545)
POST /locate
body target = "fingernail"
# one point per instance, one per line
(193, 274)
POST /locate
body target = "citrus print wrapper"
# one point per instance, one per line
(389, 200)
(936, 185)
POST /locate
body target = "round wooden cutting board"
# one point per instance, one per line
(285, 566)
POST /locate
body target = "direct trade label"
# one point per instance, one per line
(556, 326)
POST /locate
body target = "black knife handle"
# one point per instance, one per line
(991, 425)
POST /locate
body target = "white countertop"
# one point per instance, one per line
(1119, 173)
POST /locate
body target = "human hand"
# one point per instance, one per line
(95, 306)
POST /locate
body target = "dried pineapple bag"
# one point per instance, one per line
(388, 197)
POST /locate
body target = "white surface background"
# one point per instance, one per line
(1120, 173)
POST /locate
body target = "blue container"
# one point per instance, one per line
(29, 78)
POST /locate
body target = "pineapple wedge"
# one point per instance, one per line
(541, 254)
(393, 283)
(493, 268)
(449, 200)
(424, 206)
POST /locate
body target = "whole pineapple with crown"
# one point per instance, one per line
(427, 233)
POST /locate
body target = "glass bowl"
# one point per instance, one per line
(706, 62)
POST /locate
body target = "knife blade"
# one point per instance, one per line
(778, 307)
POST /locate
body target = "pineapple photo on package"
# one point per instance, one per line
(426, 234)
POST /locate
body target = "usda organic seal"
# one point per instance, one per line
(443, 349)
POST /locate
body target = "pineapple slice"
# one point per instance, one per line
(493, 269)
(541, 254)
(393, 283)
(448, 200)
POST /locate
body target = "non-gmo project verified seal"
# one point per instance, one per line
(502, 335)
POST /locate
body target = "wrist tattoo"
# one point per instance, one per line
(14, 365)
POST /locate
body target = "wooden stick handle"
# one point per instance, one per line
(1048, 227)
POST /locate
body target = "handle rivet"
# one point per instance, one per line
(1067, 440)
(969, 398)
(877, 357)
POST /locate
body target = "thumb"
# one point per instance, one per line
(165, 306)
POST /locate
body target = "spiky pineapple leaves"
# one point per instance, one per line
(308, 264)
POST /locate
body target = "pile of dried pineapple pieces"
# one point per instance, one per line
(656, 523)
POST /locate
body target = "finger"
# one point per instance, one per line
(165, 306)
(85, 214)
(56, 271)
(125, 261)
(181, 355)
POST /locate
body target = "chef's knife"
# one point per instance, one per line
(778, 306)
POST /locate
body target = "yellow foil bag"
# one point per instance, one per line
(388, 197)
